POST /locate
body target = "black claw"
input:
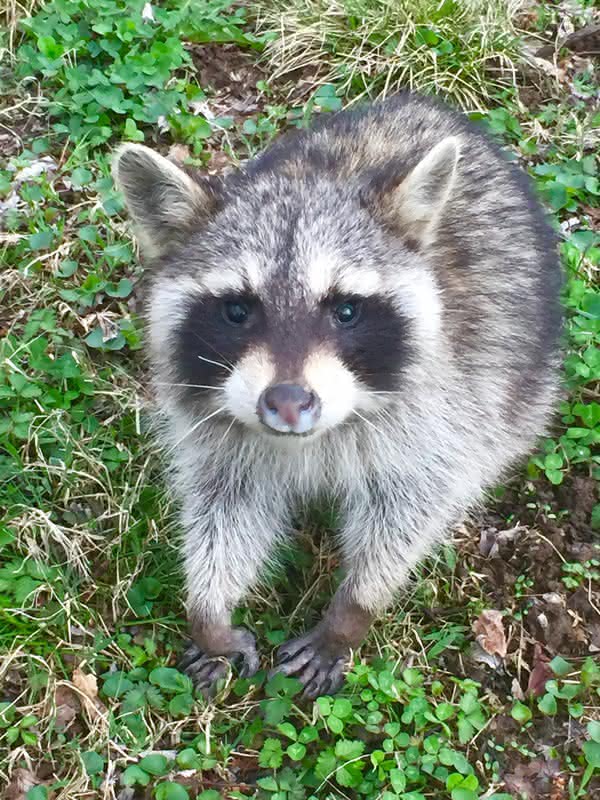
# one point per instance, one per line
(190, 655)
(311, 660)
(309, 673)
(245, 671)
(206, 670)
(336, 682)
(293, 648)
(285, 655)
(311, 691)
(209, 670)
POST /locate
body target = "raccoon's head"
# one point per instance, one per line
(286, 301)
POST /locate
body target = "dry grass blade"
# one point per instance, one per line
(11, 11)
(374, 48)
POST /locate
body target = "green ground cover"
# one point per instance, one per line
(91, 614)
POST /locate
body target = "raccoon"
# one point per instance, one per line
(369, 311)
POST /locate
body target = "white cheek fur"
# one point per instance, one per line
(340, 393)
(249, 378)
(335, 385)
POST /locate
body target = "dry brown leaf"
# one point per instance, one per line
(559, 788)
(594, 216)
(540, 673)
(516, 690)
(67, 706)
(489, 632)
(108, 326)
(87, 684)
(533, 780)
(178, 153)
(20, 782)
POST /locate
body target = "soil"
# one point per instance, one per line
(555, 621)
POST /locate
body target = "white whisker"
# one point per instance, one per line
(222, 439)
(191, 386)
(368, 421)
(214, 349)
(216, 363)
(196, 425)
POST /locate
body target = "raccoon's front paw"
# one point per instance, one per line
(206, 668)
(317, 663)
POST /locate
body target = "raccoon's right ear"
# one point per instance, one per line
(164, 201)
(415, 203)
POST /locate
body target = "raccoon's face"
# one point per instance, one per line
(293, 319)
(286, 305)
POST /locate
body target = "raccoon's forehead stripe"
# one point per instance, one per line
(326, 273)
(416, 294)
(167, 309)
(253, 270)
(223, 281)
(355, 281)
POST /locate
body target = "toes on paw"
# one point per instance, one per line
(292, 648)
(189, 658)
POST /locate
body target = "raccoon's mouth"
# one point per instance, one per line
(287, 434)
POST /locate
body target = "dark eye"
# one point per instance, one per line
(236, 312)
(346, 313)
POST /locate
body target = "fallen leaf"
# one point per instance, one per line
(178, 153)
(540, 673)
(479, 656)
(109, 327)
(67, 706)
(559, 788)
(35, 169)
(585, 40)
(516, 690)
(493, 541)
(534, 779)
(87, 685)
(489, 632)
(593, 214)
(20, 782)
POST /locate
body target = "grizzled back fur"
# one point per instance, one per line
(393, 263)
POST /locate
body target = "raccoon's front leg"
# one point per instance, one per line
(386, 534)
(226, 545)
(215, 644)
(319, 659)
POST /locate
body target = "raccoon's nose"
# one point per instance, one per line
(288, 408)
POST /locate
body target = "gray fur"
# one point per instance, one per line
(459, 247)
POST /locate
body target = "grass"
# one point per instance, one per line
(90, 607)
(373, 48)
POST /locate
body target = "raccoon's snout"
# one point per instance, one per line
(288, 408)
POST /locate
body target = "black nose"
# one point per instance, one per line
(288, 408)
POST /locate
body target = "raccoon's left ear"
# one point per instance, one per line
(415, 205)
(165, 202)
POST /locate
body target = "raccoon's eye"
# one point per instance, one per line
(346, 313)
(236, 312)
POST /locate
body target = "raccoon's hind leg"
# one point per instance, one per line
(226, 544)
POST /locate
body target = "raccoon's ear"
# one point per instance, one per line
(163, 200)
(416, 204)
